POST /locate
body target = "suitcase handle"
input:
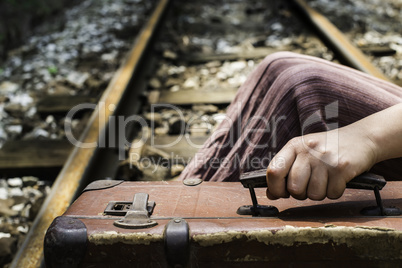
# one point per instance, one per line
(365, 181)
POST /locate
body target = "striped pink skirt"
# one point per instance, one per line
(289, 95)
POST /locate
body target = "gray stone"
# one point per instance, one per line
(8, 87)
(3, 193)
(205, 108)
(13, 130)
(155, 83)
(32, 194)
(200, 129)
(5, 209)
(154, 117)
(14, 182)
(15, 192)
(23, 229)
(175, 170)
(162, 130)
(168, 54)
(18, 207)
(15, 109)
(29, 181)
(77, 79)
(192, 82)
(37, 133)
(110, 57)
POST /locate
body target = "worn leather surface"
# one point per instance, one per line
(308, 232)
(221, 199)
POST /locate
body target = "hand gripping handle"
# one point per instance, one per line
(365, 181)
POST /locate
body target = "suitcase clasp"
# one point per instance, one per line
(137, 217)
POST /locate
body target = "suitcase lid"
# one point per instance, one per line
(220, 200)
(205, 216)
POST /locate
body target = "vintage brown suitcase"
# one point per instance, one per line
(169, 224)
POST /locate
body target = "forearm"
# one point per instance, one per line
(384, 129)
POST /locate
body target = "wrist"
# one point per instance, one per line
(384, 130)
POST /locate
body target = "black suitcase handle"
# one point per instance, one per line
(365, 181)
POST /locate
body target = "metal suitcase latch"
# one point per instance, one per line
(137, 216)
(120, 208)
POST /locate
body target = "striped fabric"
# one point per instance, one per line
(288, 95)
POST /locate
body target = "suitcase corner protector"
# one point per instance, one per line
(65, 242)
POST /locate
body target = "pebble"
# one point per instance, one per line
(25, 213)
(8, 87)
(4, 235)
(110, 57)
(205, 108)
(175, 170)
(15, 109)
(200, 129)
(192, 82)
(18, 207)
(168, 54)
(14, 182)
(161, 131)
(175, 88)
(15, 192)
(3, 194)
(23, 229)
(77, 79)
(13, 130)
(155, 83)
(153, 119)
(32, 194)
(5, 209)
(37, 133)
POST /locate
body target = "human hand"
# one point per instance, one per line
(319, 165)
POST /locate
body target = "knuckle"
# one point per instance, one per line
(272, 171)
(342, 164)
(294, 142)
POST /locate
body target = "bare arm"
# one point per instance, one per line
(319, 165)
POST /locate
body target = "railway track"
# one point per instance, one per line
(163, 91)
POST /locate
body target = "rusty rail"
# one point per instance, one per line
(71, 178)
(338, 41)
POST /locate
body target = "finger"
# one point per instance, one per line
(336, 186)
(270, 196)
(317, 186)
(298, 178)
(277, 172)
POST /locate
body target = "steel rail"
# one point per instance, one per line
(338, 41)
(71, 177)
